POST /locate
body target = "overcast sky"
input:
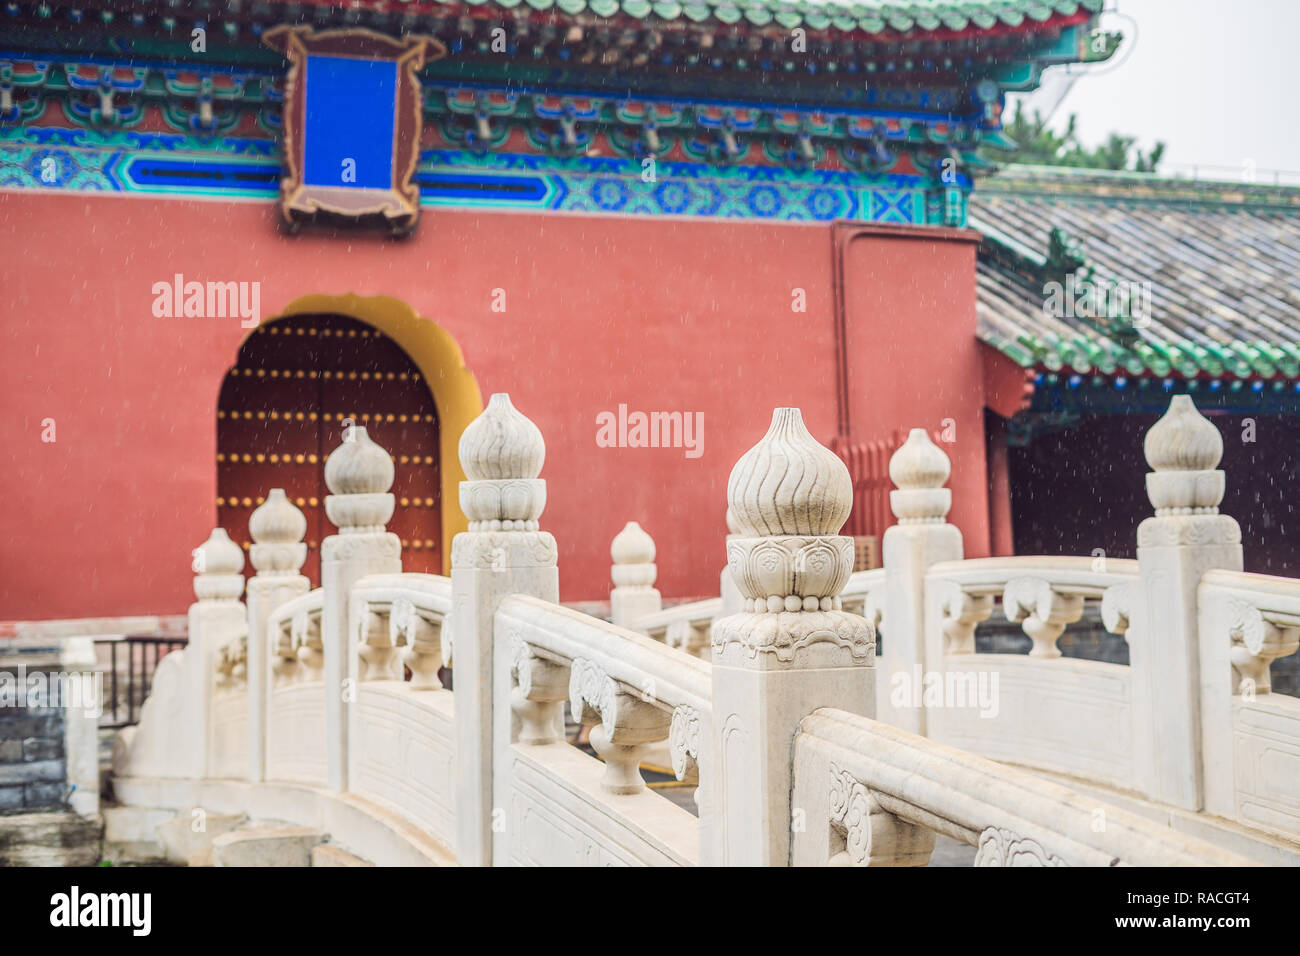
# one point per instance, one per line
(1218, 82)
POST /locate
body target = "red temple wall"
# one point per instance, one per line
(656, 314)
(913, 360)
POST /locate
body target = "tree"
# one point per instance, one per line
(1036, 143)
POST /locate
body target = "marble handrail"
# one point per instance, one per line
(883, 793)
(1250, 736)
(684, 626)
(1276, 597)
(428, 592)
(857, 594)
(293, 631)
(1263, 622)
(1079, 575)
(410, 610)
(644, 691)
(634, 660)
(282, 617)
(860, 582)
(696, 612)
(1042, 593)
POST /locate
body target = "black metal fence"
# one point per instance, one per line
(131, 663)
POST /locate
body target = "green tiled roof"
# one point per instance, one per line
(871, 16)
(1222, 266)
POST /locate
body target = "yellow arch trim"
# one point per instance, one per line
(438, 356)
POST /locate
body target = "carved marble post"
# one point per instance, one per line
(733, 602)
(278, 553)
(502, 553)
(213, 620)
(358, 474)
(633, 573)
(1186, 537)
(793, 649)
(921, 537)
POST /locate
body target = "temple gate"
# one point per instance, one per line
(297, 385)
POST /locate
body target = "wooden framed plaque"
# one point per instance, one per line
(352, 122)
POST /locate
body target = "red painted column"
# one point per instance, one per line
(1001, 542)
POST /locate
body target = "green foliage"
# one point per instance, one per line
(1038, 144)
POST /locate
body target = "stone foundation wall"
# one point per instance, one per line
(33, 766)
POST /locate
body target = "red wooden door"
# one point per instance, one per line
(283, 408)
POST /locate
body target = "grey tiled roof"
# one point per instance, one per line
(1221, 264)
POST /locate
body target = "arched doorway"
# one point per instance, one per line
(297, 382)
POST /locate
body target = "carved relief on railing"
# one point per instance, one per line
(231, 664)
(685, 627)
(791, 572)
(537, 699)
(685, 735)
(307, 642)
(1259, 637)
(627, 720)
(1117, 607)
(684, 743)
(379, 657)
(421, 635)
(448, 641)
(854, 603)
(999, 846)
(872, 607)
(294, 642)
(1044, 594)
(285, 666)
(892, 791)
(961, 611)
(863, 834)
(1043, 611)
(401, 620)
(239, 659)
(630, 689)
(689, 636)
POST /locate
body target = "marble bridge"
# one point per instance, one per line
(318, 726)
